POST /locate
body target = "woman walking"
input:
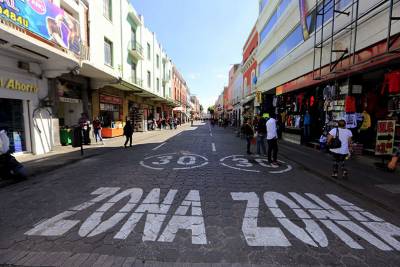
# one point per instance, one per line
(339, 140)
(128, 132)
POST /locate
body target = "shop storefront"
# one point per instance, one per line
(111, 115)
(369, 102)
(26, 120)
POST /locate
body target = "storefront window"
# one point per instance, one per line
(12, 121)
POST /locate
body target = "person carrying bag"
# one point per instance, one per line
(339, 141)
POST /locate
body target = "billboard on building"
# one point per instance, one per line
(44, 19)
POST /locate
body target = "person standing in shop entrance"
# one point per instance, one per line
(249, 134)
(272, 140)
(128, 132)
(340, 154)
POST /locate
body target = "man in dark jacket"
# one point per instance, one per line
(249, 134)
(128, 132)
(261, 132)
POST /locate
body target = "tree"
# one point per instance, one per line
(201, 108)
(211, 110)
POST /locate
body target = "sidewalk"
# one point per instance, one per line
(380, 187)
(365, 180)
(66, 155)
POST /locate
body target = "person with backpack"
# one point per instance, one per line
(128, 132)
(339, 141)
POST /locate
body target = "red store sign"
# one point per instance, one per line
(110, 99)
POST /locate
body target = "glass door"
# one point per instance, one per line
(12, 121)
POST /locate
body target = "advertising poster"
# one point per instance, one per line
(44, 19)
(385, 137)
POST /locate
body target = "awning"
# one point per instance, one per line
(247, 99)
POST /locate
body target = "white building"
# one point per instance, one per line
(30, 57)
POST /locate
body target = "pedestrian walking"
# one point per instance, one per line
(97, 129)
(272, 139)
(84, 124)
(249, 134)
(128, 132)
(261, 132)
(339, 140)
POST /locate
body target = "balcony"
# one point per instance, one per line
(166, 79)
(136, 81)
(135, 50)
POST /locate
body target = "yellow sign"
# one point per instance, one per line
(13, 84)
(258, 97)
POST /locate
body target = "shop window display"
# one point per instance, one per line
(12, 121)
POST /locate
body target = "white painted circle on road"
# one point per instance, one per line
(174, 161)
(254, 164)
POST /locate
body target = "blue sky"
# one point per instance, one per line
(202, 37)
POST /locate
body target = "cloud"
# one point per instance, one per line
(221, 76)
(194, 76)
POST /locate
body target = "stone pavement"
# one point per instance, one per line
(364, 178)
(66, 155)
(194, 199)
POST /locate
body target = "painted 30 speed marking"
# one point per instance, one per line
(174, 161)
(254, 164)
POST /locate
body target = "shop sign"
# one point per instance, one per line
(69, 100)
(385, 137)
(13, 84)
(110, 99)
(44, 19)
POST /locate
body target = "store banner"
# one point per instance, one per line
(45, 19)
(385, 137)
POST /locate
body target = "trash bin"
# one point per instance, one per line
(76, 136)
(65, 137)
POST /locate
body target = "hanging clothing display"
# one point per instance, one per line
(391, 83)
(350, 106)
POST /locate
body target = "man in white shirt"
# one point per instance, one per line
(272, 140)
(340, 154)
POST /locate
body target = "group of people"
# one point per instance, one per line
(263, 128)
(338, 140)
(172, 123)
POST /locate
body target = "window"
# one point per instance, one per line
(149, 79)
(280, 9)
(158, 61)
(263, 3)
(288, 44)
(108, 52)
(148, 51)
(133, 72)
(107, 9)
(169, 92)
(253, 74)
(158, 85)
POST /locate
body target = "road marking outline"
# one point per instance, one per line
(157, 147)
(214, 149)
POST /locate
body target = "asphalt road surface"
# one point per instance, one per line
(195, 199)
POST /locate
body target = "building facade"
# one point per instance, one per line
(180, 95)
(31, 58)
(249, 70)
(326, 63)
(95, 59)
